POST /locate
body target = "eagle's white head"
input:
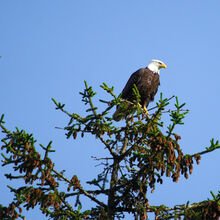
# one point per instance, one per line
(156, 65)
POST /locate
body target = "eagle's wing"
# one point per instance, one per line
(147, 84)
(135, 78)
(127, 93)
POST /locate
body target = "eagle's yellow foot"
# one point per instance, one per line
(146, 112)
(139, 105)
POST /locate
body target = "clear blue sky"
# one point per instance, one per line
(49, 48)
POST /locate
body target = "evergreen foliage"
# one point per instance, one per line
(140, 152)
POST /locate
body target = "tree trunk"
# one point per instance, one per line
(111, 196)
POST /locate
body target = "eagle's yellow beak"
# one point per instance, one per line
(163, 66)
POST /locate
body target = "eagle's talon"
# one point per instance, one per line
(146, 112)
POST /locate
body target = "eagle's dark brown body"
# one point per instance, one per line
(147, 83)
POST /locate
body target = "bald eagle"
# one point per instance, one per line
(147, 81)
